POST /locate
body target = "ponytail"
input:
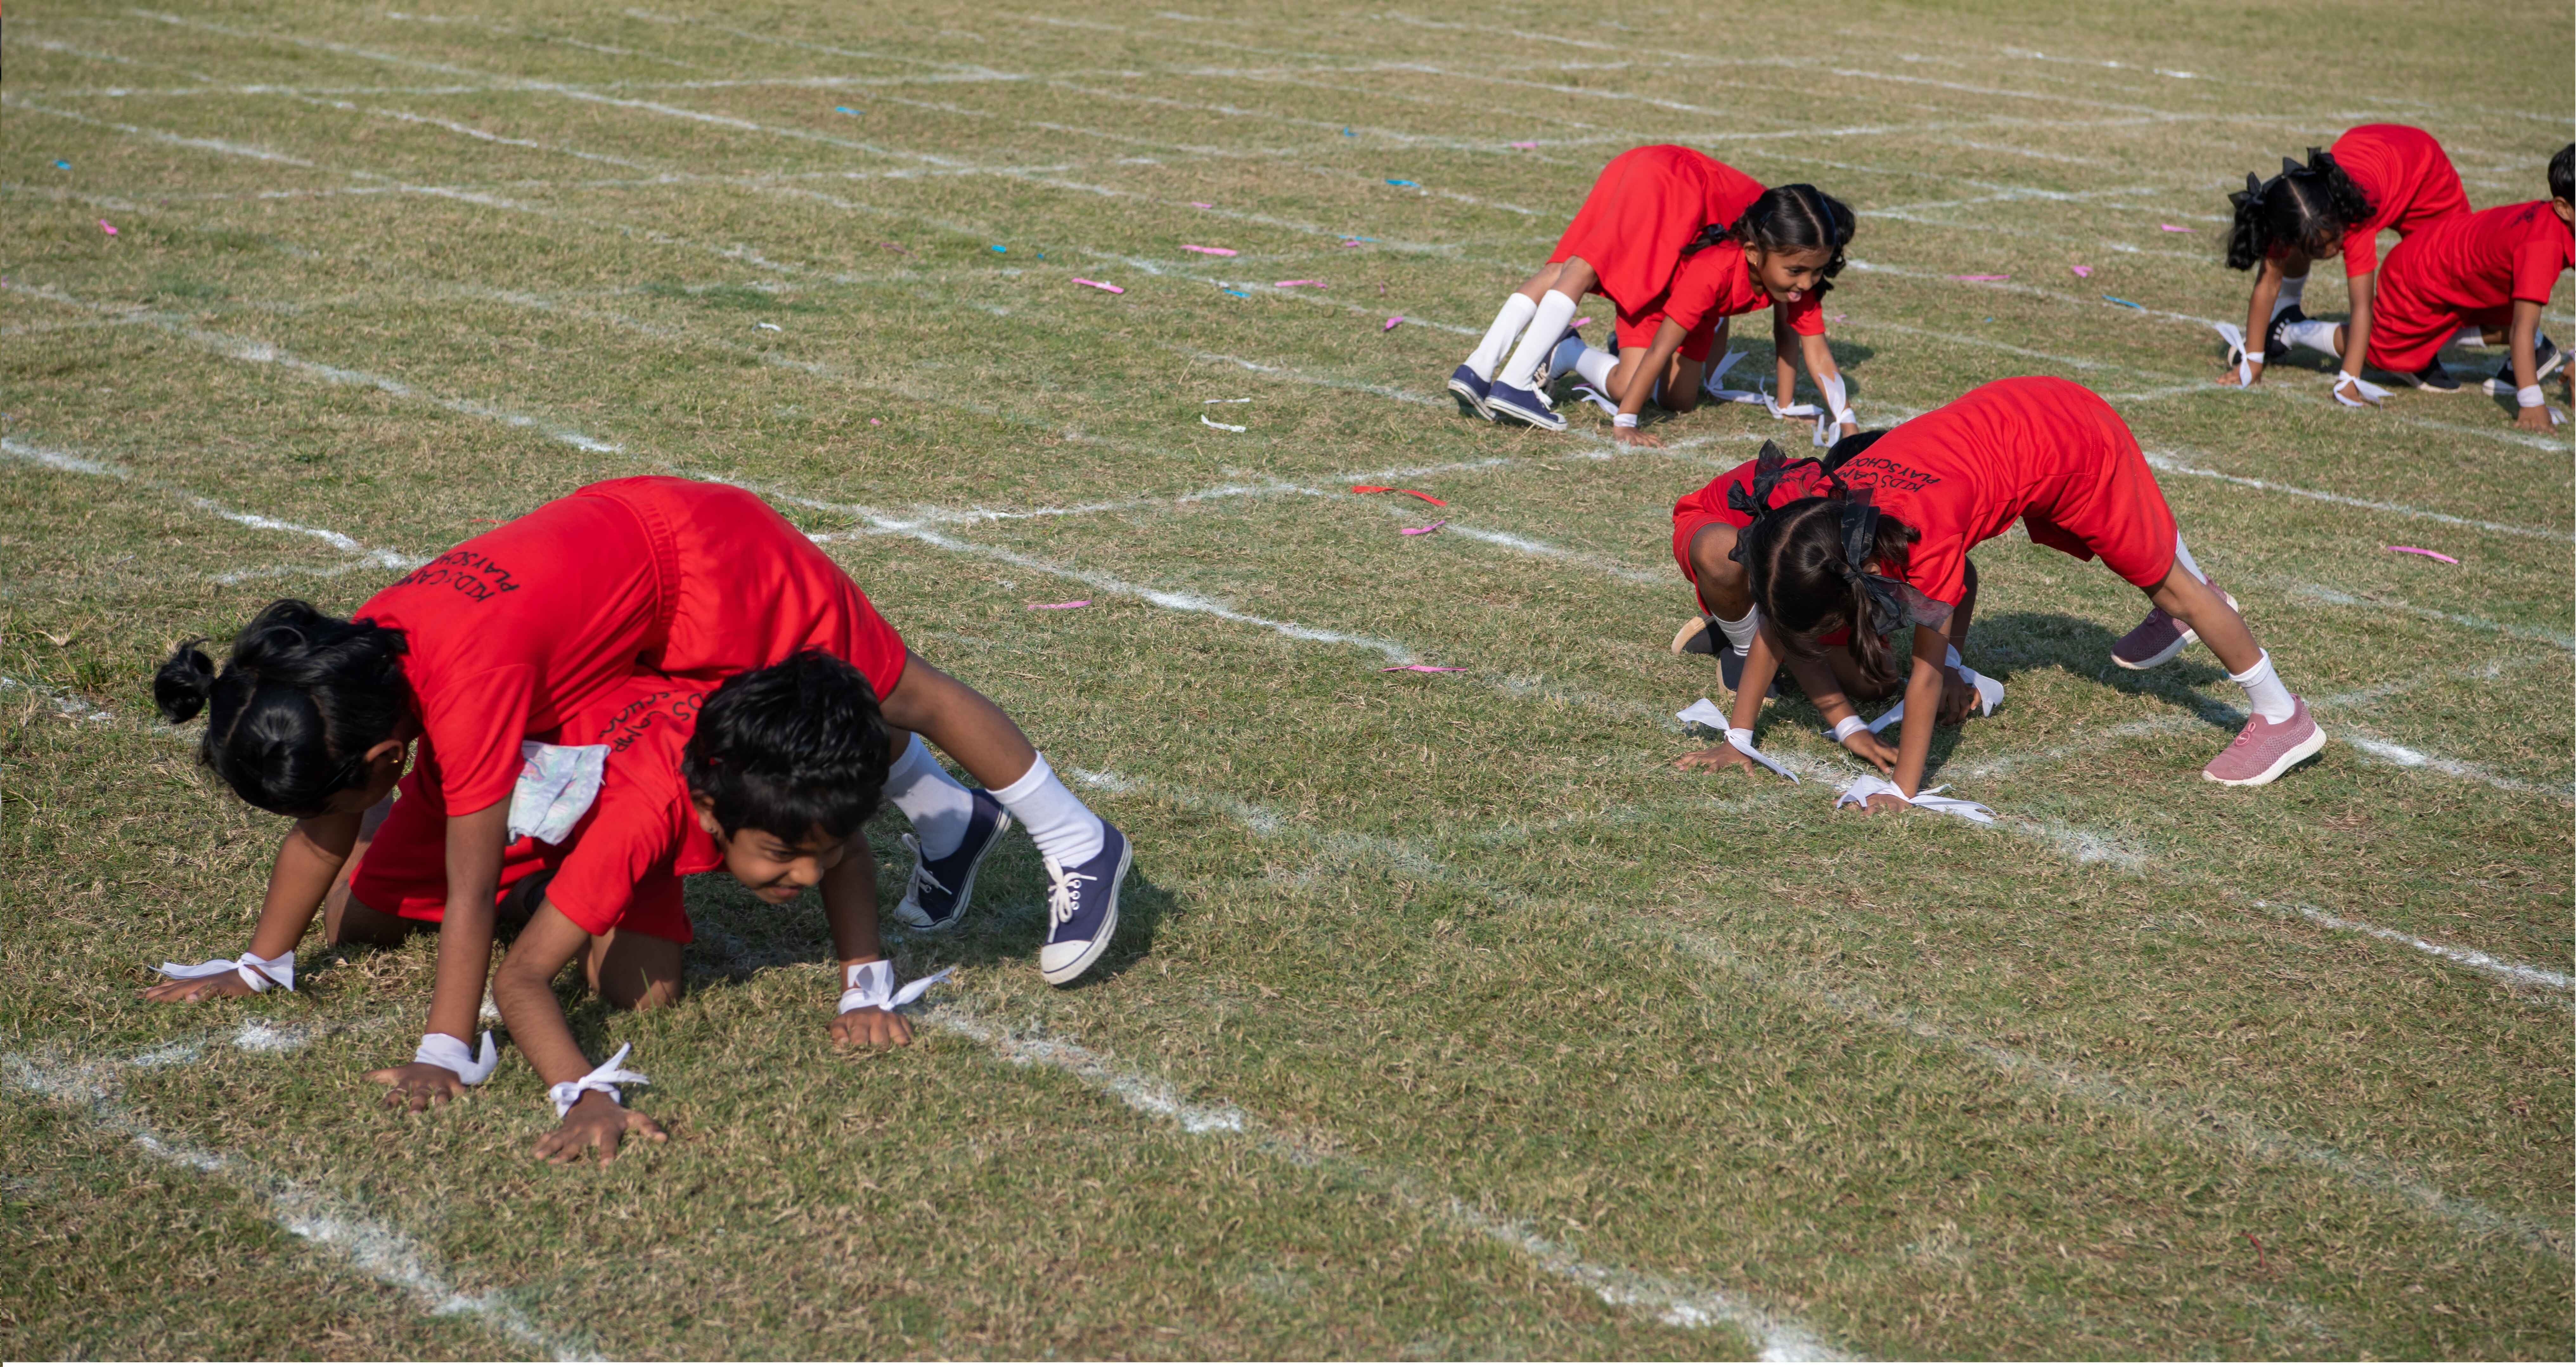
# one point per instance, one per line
(1804, 580)
(298, 704)
(2305, 208)
(1788, 218)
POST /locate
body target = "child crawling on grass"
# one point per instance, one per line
(769, 777)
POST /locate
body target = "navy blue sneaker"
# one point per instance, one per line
(1082, 909)
(2433, 377)
(1520, 405)
(2275, 347)
(1470, 389)
(936, 898)
(2545, 360)
(1559, 363)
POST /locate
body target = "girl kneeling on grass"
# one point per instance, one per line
(1649, 239)
(2379, 175)
(478, 658)
(769, 777)
(1888, 548)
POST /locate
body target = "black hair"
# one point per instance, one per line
(1788, 218)
(1843, 449)
(1805, 585)
(299, 703)
(792, 749)
(2308, 207)
(2562, 174)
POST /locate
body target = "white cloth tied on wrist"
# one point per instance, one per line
(1623, 420)
(872, 984)
(1835, 411)
(1843, 729)
(2245, 360)
(1990, 693)
(603, 1078)
(1867, 786)
(255, 972)
(2530, 396)
(1741, 737)
(556, 786)
(2371, 394)
(450, 1053)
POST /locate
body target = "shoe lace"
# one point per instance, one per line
(1064, 886)
(921, 875)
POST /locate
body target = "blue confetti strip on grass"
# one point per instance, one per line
(1414, 183)
(2125, 303)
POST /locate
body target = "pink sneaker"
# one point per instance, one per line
(2264, 750)
(2157, 639)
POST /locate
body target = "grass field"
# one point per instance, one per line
(1449, 1021)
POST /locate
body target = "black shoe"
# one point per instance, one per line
(2435, 378)
(2545, 360)
(2273, 347)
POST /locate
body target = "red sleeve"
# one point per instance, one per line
(1805, 317)
(2538, 261)
(2360, 251)
(476, 725)
(1939, 569)
(622, 856)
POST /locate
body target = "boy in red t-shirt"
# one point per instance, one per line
(769, 777)
(2480, 278)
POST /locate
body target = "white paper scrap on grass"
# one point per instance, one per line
(1867, 786)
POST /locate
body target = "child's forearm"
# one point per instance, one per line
(850, 904)
(308, 861)
(2258, 312)
(2356, 330)
(1922, 711)
(2526, 343)
(1761, 665)
(474, 844)
(524, 990)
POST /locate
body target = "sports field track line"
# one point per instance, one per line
(1774, 1338)
(334, 1225)
(2188, 1119)
(2481, 962)
(66, 462)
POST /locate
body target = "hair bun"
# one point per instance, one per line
(184, 682)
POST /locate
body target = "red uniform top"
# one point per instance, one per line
(510, 633)
(2408, 180)
(1645, 206)
(2486, 259)
(1717, 282)
(2045, 451)
(642, 835)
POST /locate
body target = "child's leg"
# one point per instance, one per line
(1556, 309)
(983, 738)
(1680, 392)
(1517, 310)
(2191, 600)
(633, 970)
(353, 922)
(2294, 281)
(939, 807)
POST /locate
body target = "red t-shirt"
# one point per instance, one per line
(642, 834)
(1717, 282)
(1708, 502)
(1968, 470)
(2408, 179)
(2484, 260)
(508, 633)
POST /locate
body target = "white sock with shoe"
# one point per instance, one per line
(1545, 327)
(1065, 830)
(2182, 557)
(938, 806)
(1595, 365)
(2316, 334)
(2271, 701)
(1507, 325)
(1740, 631)
(2292, 289)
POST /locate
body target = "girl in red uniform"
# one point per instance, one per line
(1890, 548)
(1650, 208)
(2477, 279)
(2380, 175)
(481, 656)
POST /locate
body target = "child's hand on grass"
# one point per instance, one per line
(197, 989)
(418, 1086)
(871, 1028)
(1716, 757)
(596, 1122)
(1632, 436)
(2532, 419)
(1868, 746)
(1958, 699)
(1883, 802)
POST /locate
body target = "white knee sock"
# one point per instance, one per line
(1548, 324)
(2292, 289)
(937, 806)
(1064, 829)
(2263, 689)
(2182, 557)
(2316, 334)
(1514, 316)
(1739, 632)
(1595, 365)
(2472, 335)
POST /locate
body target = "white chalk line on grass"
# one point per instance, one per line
(74, 708)
(334, 1225)
(2338, 598)
(1673, 1302)
(2190, 1119)
(2522, 974)
(2166, 463)
(68, 463)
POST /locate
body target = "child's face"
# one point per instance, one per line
(775, 869)
(1788, 276)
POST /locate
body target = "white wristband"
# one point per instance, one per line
(1843, 729)
(450, 1053)
(603, 1078)
(1623, 420)
(2255, 356)
(872, 984)
(2529, 396)
(255, 972)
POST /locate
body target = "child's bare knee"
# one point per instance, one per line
(650, 994)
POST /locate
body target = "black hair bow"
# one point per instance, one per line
(1888, 610)
(1770, 467)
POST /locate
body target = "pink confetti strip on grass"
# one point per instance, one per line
(2418, 550)
(1391, 322)
(1391, 489)
(1201, 204)
(110, 228)
(1424, 669)
(1981, 277)
(2081, 271)
(1292, 284)
(1208, 251)
(2172, 229)
(1528, 145)
(1095, 284)
(1425, 531)
(1059, 607)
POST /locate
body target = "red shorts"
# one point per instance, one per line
(1639, 334)
(2405, 333)
(1706, 507)
(2121, 517)
(404, 873)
